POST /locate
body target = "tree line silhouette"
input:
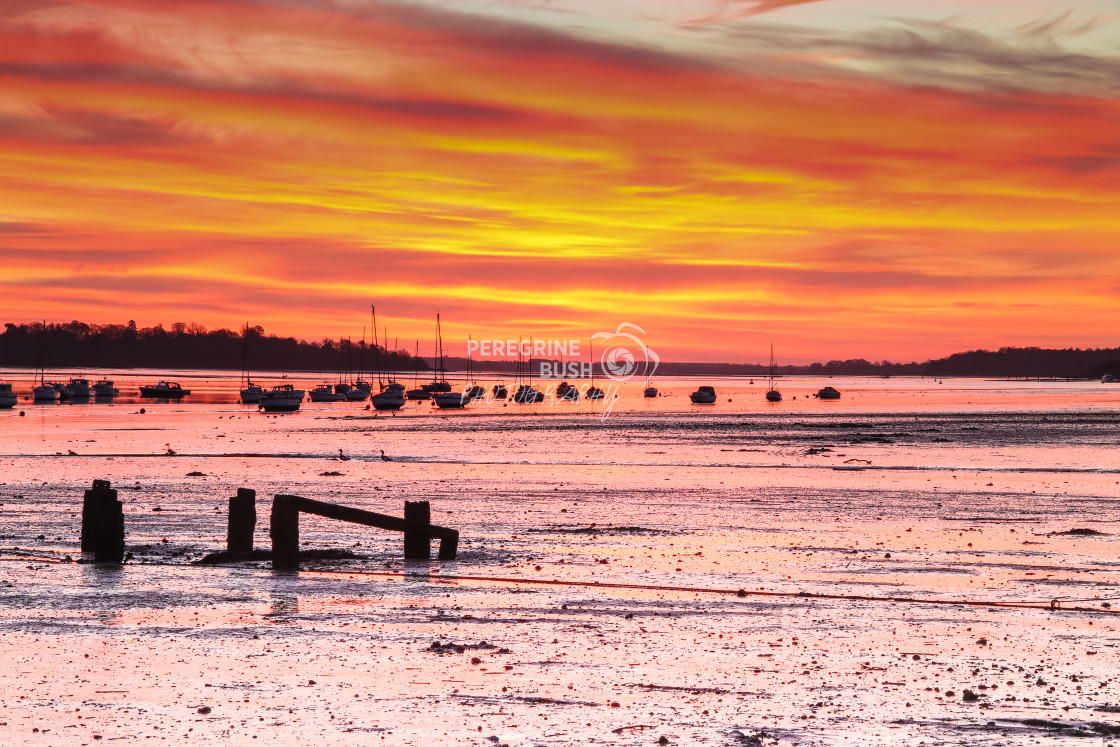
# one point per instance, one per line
(78, 345)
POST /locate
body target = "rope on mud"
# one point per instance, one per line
(1054, 605)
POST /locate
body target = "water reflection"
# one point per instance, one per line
(106, 579)
(285, 605)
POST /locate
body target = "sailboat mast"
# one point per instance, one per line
(376, 348)
(385, 337)
(440, 371)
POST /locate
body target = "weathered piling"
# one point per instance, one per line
(417, 546)
(242, 521)
(285, 527)
(103, 524)
(284, 530)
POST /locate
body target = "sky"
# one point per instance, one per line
(841, 179)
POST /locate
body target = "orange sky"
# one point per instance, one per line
(827, 176)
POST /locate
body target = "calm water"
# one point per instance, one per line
(953, 491)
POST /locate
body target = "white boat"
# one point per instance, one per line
(391, 396)
(8, 398)
(252, 394)
(704, 395)
(325, 393)
(772, 394)
(45, 393)
(105, 388)
(281, 398)
(359, 392)
(78, 389)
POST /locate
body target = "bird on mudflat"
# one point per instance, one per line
(170, 451)
(385, 458)
(342, 457)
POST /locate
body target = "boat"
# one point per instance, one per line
(389, 399)
(567, 392)
(1108, 379)
(105, 388)
(828, 393)
(325, 393)
(650, 392)
(450, 400)
(500, 391)
(164, 390)
(704, 395)
(440, 384)
(45, 392)
(8, 398)
(78, 389)
(417, 392)
(472, 391)
(593, 392)
(281, 398)
(359, 392)
(527, 394)
(391, 396)
(772, 394)
(251, 393)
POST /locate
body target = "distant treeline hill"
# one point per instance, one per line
(77, 345)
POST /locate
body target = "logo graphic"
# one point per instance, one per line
(626, 355)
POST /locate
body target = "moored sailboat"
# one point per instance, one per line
(772, 394)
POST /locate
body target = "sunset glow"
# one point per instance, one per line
(843, 179)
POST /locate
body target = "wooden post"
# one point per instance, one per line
(417, 546)
(448, 547)
(90, 504)
(103, 524)
(284, 530)
(109, 545)
(242, 521)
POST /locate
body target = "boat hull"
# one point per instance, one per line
(450, 400)
(279, 405)
(163, 391)
(45, 393)
(387, 401)
(283, 398)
